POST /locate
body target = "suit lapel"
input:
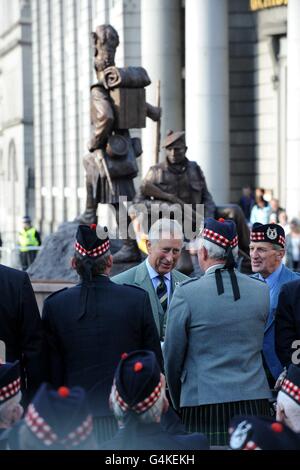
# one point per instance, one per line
(174, 281)
(142, 279)
(141, 275)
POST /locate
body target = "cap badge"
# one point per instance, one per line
(272, 233)
(240, 435)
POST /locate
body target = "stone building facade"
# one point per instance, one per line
(16, 118)
(229, 75)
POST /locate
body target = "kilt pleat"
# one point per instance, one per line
(104, 428)
(213, 419)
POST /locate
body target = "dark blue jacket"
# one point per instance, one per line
(273, 363)
(287, 323)
(3, 439)
(151, 436)
(21, 327)
(85, 350)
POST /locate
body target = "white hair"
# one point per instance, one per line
(277, 247)
(151, 415)
(165, 229)
(8, 405)
(217, 252)
(291, 411)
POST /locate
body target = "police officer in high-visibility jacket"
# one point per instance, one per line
(29, 239)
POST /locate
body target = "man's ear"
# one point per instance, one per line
(148, 245)
(73, 262)
(203, 251)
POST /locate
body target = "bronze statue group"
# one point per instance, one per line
(152, 359)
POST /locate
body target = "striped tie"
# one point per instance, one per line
(162, 293)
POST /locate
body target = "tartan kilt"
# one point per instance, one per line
(104, 428)
(213, 419)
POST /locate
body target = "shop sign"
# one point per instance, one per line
(264, 4)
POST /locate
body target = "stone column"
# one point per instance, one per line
(207, 92)
(161, 56)
(293, 110)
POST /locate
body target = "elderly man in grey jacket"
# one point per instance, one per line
(214, 339)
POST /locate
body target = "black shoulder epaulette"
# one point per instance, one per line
(56, 292)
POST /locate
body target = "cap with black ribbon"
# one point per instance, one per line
(270, 233)
(10, 380)
(261, 433)
(224, 234)
(59, 418)
(137, 387)
(137, 394)
(137, 381)
(291, 383)
(89, 247)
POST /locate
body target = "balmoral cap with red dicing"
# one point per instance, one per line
(137, 381)
(10, 380)
(270, 233)
(91, 241)
(220, 232)
(261, 433)
(59, 417)
(291, 384)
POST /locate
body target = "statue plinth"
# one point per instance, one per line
(53, 262)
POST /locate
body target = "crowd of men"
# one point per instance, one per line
(152, 359)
